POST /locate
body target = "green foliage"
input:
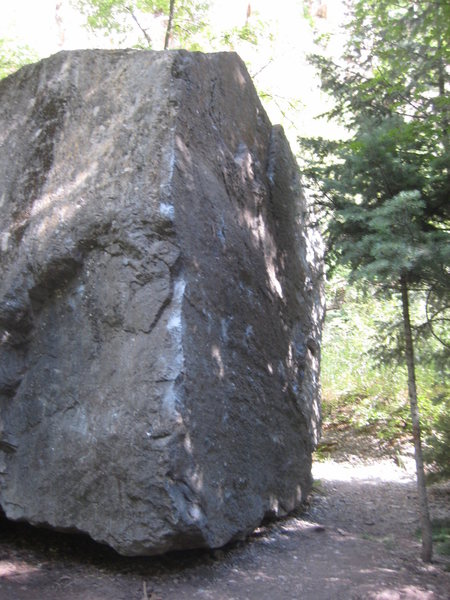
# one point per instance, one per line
(441, 536)
(437, 451)
(186, 24)
(388, 217)
(362, 386)
(394, 62)
(383, 193)
(14, 56)
(190, 24)
(390, 88)
(251, 32)
(121, 17)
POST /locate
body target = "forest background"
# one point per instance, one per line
(361, 89)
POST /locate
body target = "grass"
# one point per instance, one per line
(388, 541)
(441, 536)
(365, 391)
(318, 487)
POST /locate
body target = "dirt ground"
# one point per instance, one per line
(355, 540)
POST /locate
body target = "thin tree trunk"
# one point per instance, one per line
(169, 25)
(427, 543)
(147, 37)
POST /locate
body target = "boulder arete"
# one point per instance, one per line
(160, 302)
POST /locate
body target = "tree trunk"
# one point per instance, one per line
(133, 16)
(169, 24)
(427, 543)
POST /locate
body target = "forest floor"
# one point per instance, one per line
(355, 539)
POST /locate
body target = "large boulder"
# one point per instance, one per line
(160, 302)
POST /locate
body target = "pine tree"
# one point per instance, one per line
(386, 188)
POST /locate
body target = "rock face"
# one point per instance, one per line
(160, 302)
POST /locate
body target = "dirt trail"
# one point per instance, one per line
(356, 541)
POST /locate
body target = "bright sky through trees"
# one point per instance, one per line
(278, 63)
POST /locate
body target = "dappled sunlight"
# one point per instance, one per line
(262, 238)
(56, 207)
(274, 282)
(256, 226)
(372, 473)
(4, 237)
(196, 477)
(409, 592)
(257, 222)
(215, 353)
(290, 362)
(239, 77)
(182, 147)
(63, 192)
(244, 160)
(9, 569)
(316, 412)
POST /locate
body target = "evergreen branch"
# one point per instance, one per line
(430, 320)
